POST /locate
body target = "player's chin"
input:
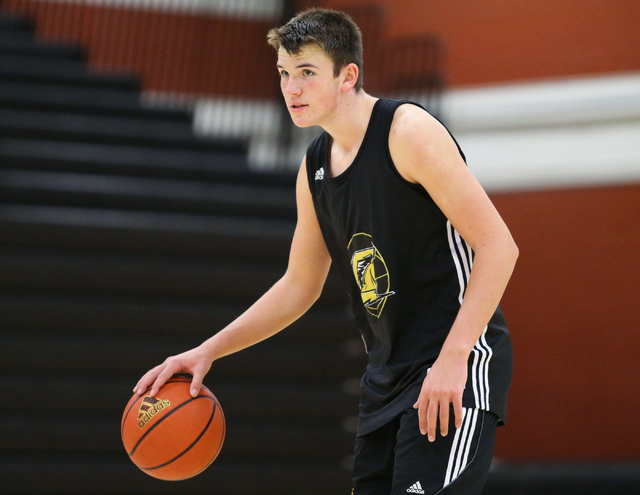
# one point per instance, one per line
(302, 123)
(300, 120)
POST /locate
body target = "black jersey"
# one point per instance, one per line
(405, 269)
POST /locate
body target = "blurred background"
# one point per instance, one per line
(146, 199)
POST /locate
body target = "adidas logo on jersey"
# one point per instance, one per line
(415, 488)
(320, 173)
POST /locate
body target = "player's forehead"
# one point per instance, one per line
(310, 55)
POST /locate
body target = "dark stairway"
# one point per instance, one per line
(124, 239)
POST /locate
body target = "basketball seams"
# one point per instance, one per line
(224, 434)
(126, 415)
(164, 417)
(195, 442)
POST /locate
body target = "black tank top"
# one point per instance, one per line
(405, 269)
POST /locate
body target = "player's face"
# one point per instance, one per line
(310, 89)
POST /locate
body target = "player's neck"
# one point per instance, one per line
(350, 124)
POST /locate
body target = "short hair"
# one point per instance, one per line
(333, 31)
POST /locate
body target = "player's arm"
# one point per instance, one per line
(288, 299)
(424, 153)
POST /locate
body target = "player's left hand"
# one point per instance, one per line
(443, 386)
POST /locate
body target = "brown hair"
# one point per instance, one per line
(333, 31)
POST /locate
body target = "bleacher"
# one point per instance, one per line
(124, 238)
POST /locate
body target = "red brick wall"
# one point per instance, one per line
(505, 40)
(573, 311)
(171, 51)
(487, 42)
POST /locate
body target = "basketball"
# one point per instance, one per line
(173, 436)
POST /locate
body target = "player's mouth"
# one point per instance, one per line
(297, 107)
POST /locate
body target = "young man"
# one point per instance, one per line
(384, 194)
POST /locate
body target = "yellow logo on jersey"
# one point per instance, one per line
(371, 273)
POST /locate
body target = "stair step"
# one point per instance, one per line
(24, 43)
(117, 159)
(146, 231)
(27, 69)
(105, 272)
(110, 130)
(90, 101)
(149, 194)
(276, 358)
(180, 322)
(13, 23)
(85, 433)
(257, 398)
(85, 475)
(142, 274)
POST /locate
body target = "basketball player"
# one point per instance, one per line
(385, 194)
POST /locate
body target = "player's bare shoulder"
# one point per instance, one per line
(417, 140)
(414, 123)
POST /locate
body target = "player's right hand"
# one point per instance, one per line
(196, 362)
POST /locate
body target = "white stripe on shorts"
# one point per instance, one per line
(459, 455)
(462, 256)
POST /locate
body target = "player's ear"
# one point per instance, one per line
(349, 76)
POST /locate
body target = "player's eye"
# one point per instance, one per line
(283, 73)
(307, 72)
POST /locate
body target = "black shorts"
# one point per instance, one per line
(397, 460)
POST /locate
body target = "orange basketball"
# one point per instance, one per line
(173, 436)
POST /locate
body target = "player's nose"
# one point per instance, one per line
(291, 86)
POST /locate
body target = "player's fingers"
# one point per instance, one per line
(422, 417)
(157, 385)
(444, 419)
(140, 386)
(432, 420)
(145, 382)
(169, 368)
(196, 382)
(457, 411)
